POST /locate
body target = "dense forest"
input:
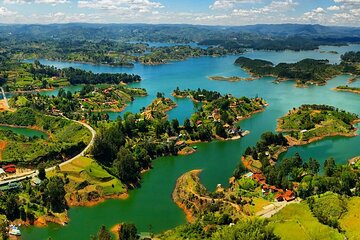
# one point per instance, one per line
(31, 76)
(305, 71)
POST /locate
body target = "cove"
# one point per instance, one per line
(150, 207)
(28, 132)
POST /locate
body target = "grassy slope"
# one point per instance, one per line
(296, 221)
(350, 222)
(86, 169)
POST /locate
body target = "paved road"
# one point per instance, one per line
(35, 173)
(4, 97)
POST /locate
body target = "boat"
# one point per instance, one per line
(195, 147)
(15, 231)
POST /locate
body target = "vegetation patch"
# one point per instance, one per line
(313, 122)
(347, 88)
(349, 222)
(87, 183)
(66, 138)
(296, 221)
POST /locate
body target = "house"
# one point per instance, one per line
(265, 190)
(249, 175)
(226, 125)
(279, 197)
(180, 143)
(289, 195)
(171, 139)
(273, 189)
(9, 168)
(198, 123)
(259, 177)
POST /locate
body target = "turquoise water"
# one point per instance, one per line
(152, 204)
(25, 131)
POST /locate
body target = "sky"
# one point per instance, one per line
(204, 12)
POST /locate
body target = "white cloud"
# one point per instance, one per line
(319, 10)
(52, 2)
(273, 7)
(226, 4)
(348, 1)
(6, 12)
(334, 8)
(141, 6)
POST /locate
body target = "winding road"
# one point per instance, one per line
(35, 173)
(5, 98)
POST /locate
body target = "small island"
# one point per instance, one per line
(232, 79)
(347, 89)
(307, 71)
(158, 108)
(304, 72)
(310, 123)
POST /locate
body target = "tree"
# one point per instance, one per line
(56, 194)
(124, 166)
(160, 95)
(175, 125)
(103, 234)
(12, 207)
(220, 131)
(329, 167)
(128, 232)
(42, 172)
(314, 166)
(187, 125)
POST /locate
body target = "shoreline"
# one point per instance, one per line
(294, 142)
(190, 218)
(37, 128)
(346, 90)
(121, 196)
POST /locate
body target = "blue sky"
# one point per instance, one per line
(209, 12)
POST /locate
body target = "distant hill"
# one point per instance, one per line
(176, 33)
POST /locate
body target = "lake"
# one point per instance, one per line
(151, 207)
(28, 132)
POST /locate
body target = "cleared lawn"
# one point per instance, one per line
(350, 221)
(296, 221)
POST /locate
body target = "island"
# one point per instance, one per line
(307, 71)
(231, 79)
(310, 123)
(347, 88)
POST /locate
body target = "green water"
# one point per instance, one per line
(28, 132)
(151, 204)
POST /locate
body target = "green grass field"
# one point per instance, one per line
(350, 221)
(296, 221)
